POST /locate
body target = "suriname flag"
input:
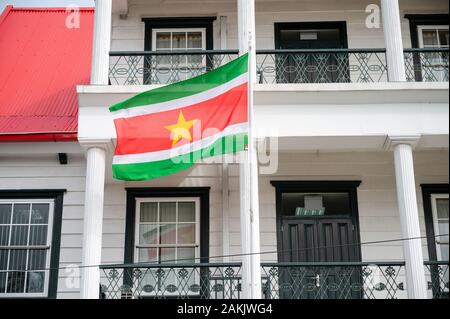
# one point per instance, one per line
(169, 129)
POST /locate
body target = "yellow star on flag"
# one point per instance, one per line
(181, 130)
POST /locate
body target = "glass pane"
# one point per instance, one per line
(186, 255)
(21, 213)
(3, 259)
(4, 235)
(186, 212)
(179, 40)
(148, 234)
(167, 255)
(38, 235)
(16, 282)
(2, 282)
(430, 38)
(5, 213)
(39, 213)
(35, 282)
(17, 259)
(443, 37)
(148, 255)
(195, 40)
(442, 208)
(186, 234)
(37, 259)
(163, 40)
(149, 212)
(168, 234)
(19, 235)
(167, 212)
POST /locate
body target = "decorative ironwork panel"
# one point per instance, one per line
(426, 65)
(438, 279)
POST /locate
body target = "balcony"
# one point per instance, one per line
(375, 280)
(279, 66)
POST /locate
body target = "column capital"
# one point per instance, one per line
(392, 141)
(105, 144)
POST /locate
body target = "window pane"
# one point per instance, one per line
(148, 234)
(442, 208)
(186, 255)
(21, 214)
(167, 212)
(186, 212)
(17, 259)
(2, 282)
(163, 40)
(3, 259)
(179, 40)
(430, 38)
(37, 259)
(38, 235)
(167, 255)
(148, 255)
(39, 213)
(4, 235)
(149, 212)
(5, 213)
(16, 282)
(168, 234)
(35, 282)
(195, 40)
(19, 235)
(443, 37)
(186, 234)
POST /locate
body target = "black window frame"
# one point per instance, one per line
(174, 192)
(58, 196)
(427, 191)
(416, 20)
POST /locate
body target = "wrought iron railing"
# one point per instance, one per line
(350, 280)
(180, 281)
(427, 65)
(438, 278)
(334, 280)
(322, 66)
(159, 67)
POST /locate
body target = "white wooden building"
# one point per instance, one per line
(351, 99)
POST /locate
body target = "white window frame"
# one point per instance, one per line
(175, 30)
(438, 241)
(421, 28)
(47, 247)
(196, 245)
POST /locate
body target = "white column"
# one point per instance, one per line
(393, 40)
(93, 221)
(102, 42)
(250, 231)
(409, 218)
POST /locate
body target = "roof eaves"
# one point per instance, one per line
(5, 13)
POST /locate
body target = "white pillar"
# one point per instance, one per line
(250, 231)
(393, 40)
(93, 221)
(409, 217)
(102, 42)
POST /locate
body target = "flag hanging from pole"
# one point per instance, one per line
(166, 130)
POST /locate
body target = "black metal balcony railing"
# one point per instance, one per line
(279, 66)
(376, 280)
(427, 65)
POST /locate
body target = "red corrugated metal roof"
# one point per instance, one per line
(41, 63)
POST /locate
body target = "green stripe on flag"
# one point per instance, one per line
(189, 87)
(147, 171)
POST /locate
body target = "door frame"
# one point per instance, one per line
(319, 187)
(341, 25)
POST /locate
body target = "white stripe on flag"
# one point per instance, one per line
(181, 150)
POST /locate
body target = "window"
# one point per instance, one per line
(433, 36)
(25, 246)
(167, 230)
(439, 204)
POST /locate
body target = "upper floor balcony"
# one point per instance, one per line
(297, 41)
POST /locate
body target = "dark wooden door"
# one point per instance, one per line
(319, 240)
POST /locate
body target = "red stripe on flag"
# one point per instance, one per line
(147, 133)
